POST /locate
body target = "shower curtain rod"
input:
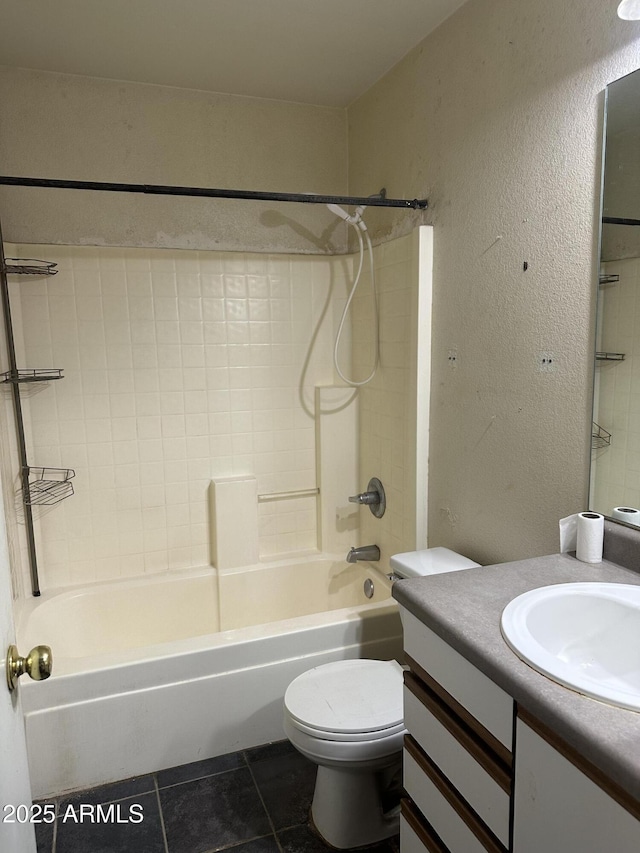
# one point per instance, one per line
(379, 200)
(616, 220)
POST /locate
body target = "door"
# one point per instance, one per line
(16, 832)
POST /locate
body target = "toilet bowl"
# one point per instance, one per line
(347, 717)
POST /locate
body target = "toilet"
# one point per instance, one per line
(347, 717)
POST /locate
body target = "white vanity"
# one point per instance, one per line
(498, 757)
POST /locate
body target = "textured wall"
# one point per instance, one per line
(496, 118)
(77, 128)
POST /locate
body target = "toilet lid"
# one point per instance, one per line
(347, 698)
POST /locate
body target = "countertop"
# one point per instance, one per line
(464, 608)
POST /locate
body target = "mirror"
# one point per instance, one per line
(615, 456)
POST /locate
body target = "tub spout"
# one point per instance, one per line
(369, 553)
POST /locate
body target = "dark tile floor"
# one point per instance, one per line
(255, 801)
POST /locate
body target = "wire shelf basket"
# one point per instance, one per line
(610, 356)
(599, 437)
(49, 486)
(38, 375)
(29, 266)
(605, 279)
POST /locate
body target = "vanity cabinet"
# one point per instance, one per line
(559, 807)
(458, 762)
(482, 775)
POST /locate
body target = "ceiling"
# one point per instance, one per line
(324, 52)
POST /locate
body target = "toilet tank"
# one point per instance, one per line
(431, 561)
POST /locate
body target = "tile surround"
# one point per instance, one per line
(182, 366)
(179, 366)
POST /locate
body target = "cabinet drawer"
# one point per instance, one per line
(453, 821)
(416, 836)
(488, 703)
(463, 759)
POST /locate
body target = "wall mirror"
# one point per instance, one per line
(615, 456)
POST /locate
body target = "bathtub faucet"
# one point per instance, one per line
(370, 553)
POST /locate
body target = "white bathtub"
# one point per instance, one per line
(159, 671)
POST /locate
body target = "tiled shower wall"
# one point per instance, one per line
(182, 366)
(615, 474)
(179, 366)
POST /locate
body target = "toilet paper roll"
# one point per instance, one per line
(590, 536)
(626, 513)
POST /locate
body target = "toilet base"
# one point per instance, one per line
(346, 808)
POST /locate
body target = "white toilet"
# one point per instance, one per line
(347, 717)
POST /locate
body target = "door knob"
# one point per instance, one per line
(37, 664)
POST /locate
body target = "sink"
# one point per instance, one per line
(585, 636)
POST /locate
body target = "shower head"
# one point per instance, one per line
(353, 219)
(341, 212)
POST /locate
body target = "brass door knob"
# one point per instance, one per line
(37, 664)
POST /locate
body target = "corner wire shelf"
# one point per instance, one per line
(610, 356)
(599, 437)
(605, 279)
(29, 266)
(45, 374)
(49, 486)
(40, 486)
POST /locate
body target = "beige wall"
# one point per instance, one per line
(495, 117)
(77, 128)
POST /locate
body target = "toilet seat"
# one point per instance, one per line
(324, 750)
(347, 701)
(351, 737)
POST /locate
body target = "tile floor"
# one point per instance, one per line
(255, 801)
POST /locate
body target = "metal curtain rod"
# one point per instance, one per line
(207, 192)
(616, 220)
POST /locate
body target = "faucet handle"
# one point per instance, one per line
(367, 498)
(374, 498)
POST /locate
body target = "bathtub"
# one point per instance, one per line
(167, 669)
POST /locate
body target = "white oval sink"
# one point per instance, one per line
(585, 636)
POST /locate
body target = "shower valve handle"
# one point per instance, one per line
(374, 498)
(366, 498)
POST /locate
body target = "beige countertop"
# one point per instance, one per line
(464, 608)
